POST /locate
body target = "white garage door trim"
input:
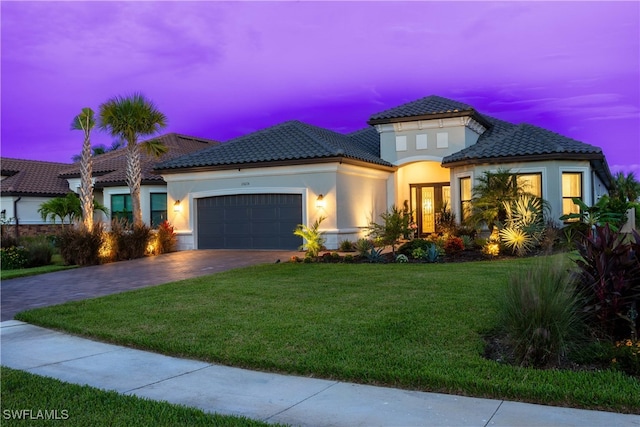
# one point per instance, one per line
(304, 192)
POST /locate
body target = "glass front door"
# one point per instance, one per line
(427, 203)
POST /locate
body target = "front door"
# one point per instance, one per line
(427, 203)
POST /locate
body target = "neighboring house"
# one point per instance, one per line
(110, 186)
(252, 191)
(26, 184)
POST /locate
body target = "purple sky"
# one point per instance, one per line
(219, 70)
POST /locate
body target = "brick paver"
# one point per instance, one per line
(87, 282)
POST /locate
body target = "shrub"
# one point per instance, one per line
(467, 241)
(609, 279)
(402, 258)
(418, 253)
(363, 246)
(81, 246)
(164, 240)
(128, 242)
(13, 257)
(396, 224)
(348, 258)
(314, 241)
(626, 356)
(453, 245)
(540, 314)
(39, 251)
(346, 246)
(410, 246)
(375, 255)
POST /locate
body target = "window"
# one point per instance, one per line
(531, 183)
(121, 207)
(465, 198)
(571, 187)
(158, 208)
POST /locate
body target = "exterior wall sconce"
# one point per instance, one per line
(320, 202)
(177, 207)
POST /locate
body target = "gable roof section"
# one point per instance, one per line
(32, 178)
(428, 108)
(288, 143)
(109, 169)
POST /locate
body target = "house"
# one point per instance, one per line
(252, 191)
(26, 184)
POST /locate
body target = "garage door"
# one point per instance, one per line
(249, 221)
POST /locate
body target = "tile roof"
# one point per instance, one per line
(109, 169)
(32, 178)
(508, 141)
(428, 106)
(288, 142)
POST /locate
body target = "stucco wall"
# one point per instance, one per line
(145, 200)
(551, 180)
(359, 189)
(408, 142)
(27, 209)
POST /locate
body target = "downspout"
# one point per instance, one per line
(15, 215)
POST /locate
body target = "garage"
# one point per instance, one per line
(249, 221)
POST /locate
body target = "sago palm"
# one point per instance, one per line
(85, 122)
(130, 117)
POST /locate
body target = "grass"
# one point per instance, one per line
(413, 326)
(75, 405)
(57, 264)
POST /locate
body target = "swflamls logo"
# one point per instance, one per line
(35, 414)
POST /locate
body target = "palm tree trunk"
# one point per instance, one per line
(86, 187)
(134, 177)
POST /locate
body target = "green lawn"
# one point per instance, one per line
(57, 264)
(414, 326)
(74, 405)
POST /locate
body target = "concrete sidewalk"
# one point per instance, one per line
(264, 396)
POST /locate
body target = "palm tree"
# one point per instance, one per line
(100, 149)
(129, 118)
(85, 122)
(625, 187)
(490, 194)
(67, 207)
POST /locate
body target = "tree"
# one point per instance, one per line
(625, 187)
(493, 191)
(85, 122)
(129, 118)
(67, 207)
(100, 149)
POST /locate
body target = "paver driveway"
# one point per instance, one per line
(87, 282)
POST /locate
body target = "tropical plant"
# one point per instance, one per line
(63, 208)
(446, 220)
(346, 246)
(374, 255)
(129, 118)
(605, 211)
(540, 313)
(490, 194)
(313, 237)
(524, 224)
(66, 208)
(396, 224)
(85, 122)
(402, 258)
(363, 246)
(100, 149)
(609, 280)
(625, 187)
